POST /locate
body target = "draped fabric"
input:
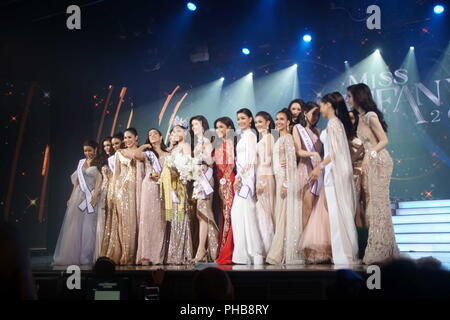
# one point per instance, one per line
(340, 192)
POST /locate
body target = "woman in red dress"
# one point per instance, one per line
(224, 170)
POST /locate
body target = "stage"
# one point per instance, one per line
(265, 282)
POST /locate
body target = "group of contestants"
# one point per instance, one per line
(284, 192)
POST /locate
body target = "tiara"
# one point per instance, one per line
(179, 122)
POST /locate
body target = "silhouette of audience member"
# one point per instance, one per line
(16, 280)
(212, 284)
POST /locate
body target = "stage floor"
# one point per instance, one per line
(43, 263)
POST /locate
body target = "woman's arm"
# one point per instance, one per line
(375, 125)
(299, 150)
(268, 151)
(139, 154)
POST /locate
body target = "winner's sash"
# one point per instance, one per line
(207, 189)
(155, 161)
(309, 145)
(86, 203)
(111, 161)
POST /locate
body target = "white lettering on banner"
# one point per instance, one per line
(74, 280)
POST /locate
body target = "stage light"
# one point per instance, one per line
(222, 78)
(191, 6)
(294, 65)
(438, 9)
(307, 38)
(250, 74)
(411, 48)
(245, 51)
(345, 61)
(377, 51)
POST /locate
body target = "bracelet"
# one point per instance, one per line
(373, 154)
(321, 166)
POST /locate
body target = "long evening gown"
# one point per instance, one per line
(180, 243)
(248, 245)
(204, 205)
(102, 210)
(288, 226)
(340, 194)
(76, 241)
(315, 242)
(381, 244)
(357, 159)
(304, 167)
(111, 247)
(224, 165)
(124, 208)
(152, 235)
(265, 204)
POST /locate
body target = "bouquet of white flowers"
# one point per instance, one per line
(187, 167)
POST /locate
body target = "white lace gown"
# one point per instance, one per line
(248, 244)
(340, 194)
(76, 241)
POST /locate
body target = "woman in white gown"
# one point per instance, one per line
(265, 179)
(76, 241)
(248, 245)
(338, 180)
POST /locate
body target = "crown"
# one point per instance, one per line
(178, 121)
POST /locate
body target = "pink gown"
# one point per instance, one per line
(152, 222)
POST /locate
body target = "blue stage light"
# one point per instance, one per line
(307, 38)
(411, 48)
(245, 51)
(191, 6)
(438, 9)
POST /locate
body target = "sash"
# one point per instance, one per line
(247, 187)
(204, 181)
(155, 161)
(111, 161)
(309, 145)
(86, 203)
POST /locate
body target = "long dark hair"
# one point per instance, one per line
(98, 161)
(356, 116)
(249, 114)
(300, 118)
(362, 97)
(229, 123)
(102, 154)
(162, 145)
(308, 107)
(205, 126)
(338, 103)
(119, 136)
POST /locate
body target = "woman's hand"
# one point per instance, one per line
(94, 200)
(68, 203)
(314, 174)
(237, 185)
(317, 157)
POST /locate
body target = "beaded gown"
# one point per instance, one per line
(288, 226)
(381, 244)
(224, 165)
(152, 237)
(265, 204)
